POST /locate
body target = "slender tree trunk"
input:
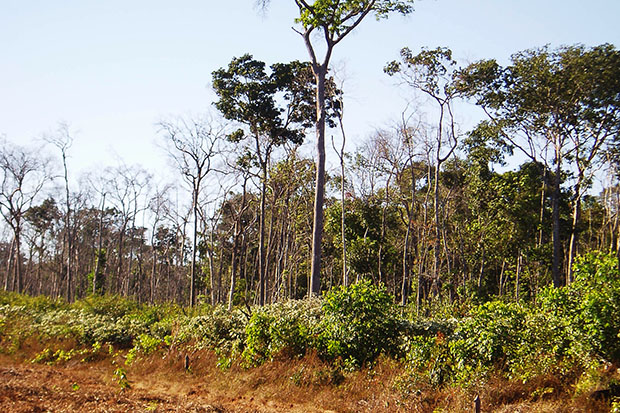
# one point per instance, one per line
(236, 253)
(233, 266)
(572, 249)
(130, 285)
(345, 275)
(518, 277)
(7, 281)
(96, 280)
(542, 207)
(404, 293)
(261, 242)
(556, 269)
(436, 241)
(481, 272)
(192, 271)
(212, 276)
(119, 266)
(218, 281)
(269, 254)
(317, 229)
(501, 279)
(69, 244)
(18, 258)
(153, 283)
(383, 225)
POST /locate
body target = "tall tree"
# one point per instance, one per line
(566, 101)
(333, 20)
(194, 146)
(248, 95)
(23, 173)
(432, 73)
(63, 140)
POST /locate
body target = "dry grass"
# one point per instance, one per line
(160, 382)
(310, 385)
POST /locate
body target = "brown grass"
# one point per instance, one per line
(160, 383)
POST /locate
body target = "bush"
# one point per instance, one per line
(287, 327)
(108, 305)
(359, 323)
(588, 310)
(215, 329)
(39, 303)
(491, 336)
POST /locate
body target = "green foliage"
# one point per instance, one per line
(571, 330)
(250, 95)
(93, 320)
(120, 374)
(38, 303)
(144, 344)
(339, 17)
(284, 328)
(491, 335)
(588, 310)
(359, 323)
(217, 329)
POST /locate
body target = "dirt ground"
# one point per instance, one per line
(77, 387)
(157, 385)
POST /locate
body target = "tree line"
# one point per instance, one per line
(422, 206)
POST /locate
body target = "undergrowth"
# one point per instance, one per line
(571, 334)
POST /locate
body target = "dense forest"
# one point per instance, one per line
(430, 210)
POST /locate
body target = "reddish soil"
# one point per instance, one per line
(78, 387)
(162, 385)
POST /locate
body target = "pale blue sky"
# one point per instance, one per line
(113, 68)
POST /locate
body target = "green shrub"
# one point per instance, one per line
(108, 305)
(588, 310)
(359, 323)
(491, 335)
(216, 329)
(286, 327)
(38, 303)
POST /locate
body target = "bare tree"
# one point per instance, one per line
(159, 206)
(23, 174)
(63, 140)
(126, 186)
(193, 145)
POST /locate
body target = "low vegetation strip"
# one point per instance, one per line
(565, 346)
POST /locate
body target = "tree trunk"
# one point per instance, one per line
(18, 258)
(210, 259)
(317, 228)
(233, 267)
(542, 207)
(261, 242)
(572, 249)
(404, 293)
(192, 271)
(518, 277)
(153, 283)
(96, 280)
(345, 275)
(556, 269)
(436, 241)
(7, 281)
(69, 244)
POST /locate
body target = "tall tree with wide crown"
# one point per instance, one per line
(333, 20)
